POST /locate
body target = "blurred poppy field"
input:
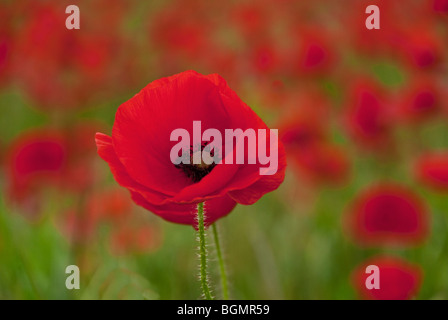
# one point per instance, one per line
(362, 115)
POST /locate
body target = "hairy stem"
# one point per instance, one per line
(203, 254)
(222, 268)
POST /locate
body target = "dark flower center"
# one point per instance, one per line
(196, 171)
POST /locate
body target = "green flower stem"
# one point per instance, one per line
(222, 268)
(203, 253)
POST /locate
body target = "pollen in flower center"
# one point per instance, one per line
(196, 171)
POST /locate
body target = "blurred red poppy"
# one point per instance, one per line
(138, 152)
(35, 159)
(387, 214)
(63, 69)
(369, 119)
(264, 57)
(398, 279)
(419, 101)
(47, 157)
(421, 47)
(432, 170)
(313, 54)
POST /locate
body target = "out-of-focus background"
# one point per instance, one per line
(363, 115)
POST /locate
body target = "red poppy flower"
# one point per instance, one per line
(34, 159)
(388, 214)
(264, 58)
(421, 47)
(398, 279)
(420, 101)
(369, 121)
(138, 152)
(432, 170)
(315, 54)
(42, 158)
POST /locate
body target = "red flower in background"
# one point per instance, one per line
(369, 119)
(421, 47)
(138, 152)
(35, 159)
(399, 279)
(388, 214)
(264, 57)
(432, 170)
(63, 69)
(420, 100)
(42, 158)
(315, 53)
